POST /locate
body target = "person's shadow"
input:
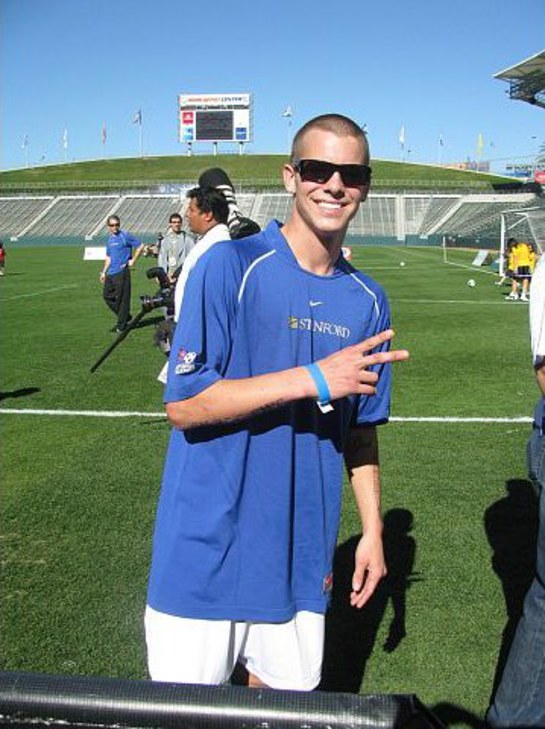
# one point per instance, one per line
(511, 527)
(21, 392)
(350, 634)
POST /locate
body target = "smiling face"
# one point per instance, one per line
(326, 208)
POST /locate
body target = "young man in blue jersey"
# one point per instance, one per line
(122, 252)
(279, 369)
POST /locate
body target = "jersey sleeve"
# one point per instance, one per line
(131, 241)
(537, 314)
(202, 340)
(375, 409)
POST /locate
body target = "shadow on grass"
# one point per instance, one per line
(21, 392)
(152, 321)
(511, 527)
(452, 715)
(155, 421)
(351, 634)
(137, 323)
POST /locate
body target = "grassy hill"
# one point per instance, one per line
(246, 171)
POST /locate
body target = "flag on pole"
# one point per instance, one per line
(65, 139)
(441, 140)
(288, 112)
(137, 118)
(402, 136)
(480, 144)
(24, 143)
(104, 134)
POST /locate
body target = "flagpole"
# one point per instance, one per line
(480, 144)
(137, 119)
(289, 134)
(65, 144)
(402, 142)
(25, 147)
(287, 114)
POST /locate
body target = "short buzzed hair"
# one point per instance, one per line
(338, 124)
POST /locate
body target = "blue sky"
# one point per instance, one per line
(426, 65)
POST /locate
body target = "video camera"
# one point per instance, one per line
(164, 297)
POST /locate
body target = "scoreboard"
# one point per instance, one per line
(215, 118)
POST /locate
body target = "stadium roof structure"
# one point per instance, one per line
(526, 80)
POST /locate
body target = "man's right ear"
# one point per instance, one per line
(289, 178)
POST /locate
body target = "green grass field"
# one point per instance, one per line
(254, 171)
(80, 485)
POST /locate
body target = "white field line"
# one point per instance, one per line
(447, 419)
(83, 413)
(427, 254)
(366, 269)
(461, 301)
(472, 268)
(38, 293)
(136, 414)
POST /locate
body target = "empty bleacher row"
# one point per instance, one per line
(387, 217)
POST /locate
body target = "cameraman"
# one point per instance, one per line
(207, 215)
(175, 247)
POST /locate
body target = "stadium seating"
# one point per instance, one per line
(438, 208)
(16, 213)
(144, 214)
(475, 216)
(386, 217)
(71, 216)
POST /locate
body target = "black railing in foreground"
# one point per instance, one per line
(39, 700)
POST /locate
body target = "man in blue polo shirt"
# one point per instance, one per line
(279, 369)
(115, 275)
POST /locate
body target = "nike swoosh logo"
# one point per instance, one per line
(315, 303)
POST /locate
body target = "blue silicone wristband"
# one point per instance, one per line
(324, 396)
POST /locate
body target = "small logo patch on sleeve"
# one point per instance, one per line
(185, 362)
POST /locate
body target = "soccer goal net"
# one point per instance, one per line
(525, 225)
(487, 246)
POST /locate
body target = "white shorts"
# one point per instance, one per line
(281, 655)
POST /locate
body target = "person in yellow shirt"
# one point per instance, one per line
(521, 262)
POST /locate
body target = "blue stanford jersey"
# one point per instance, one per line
(248, 515)
(119, 249)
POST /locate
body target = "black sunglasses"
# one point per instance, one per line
(317, 170)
